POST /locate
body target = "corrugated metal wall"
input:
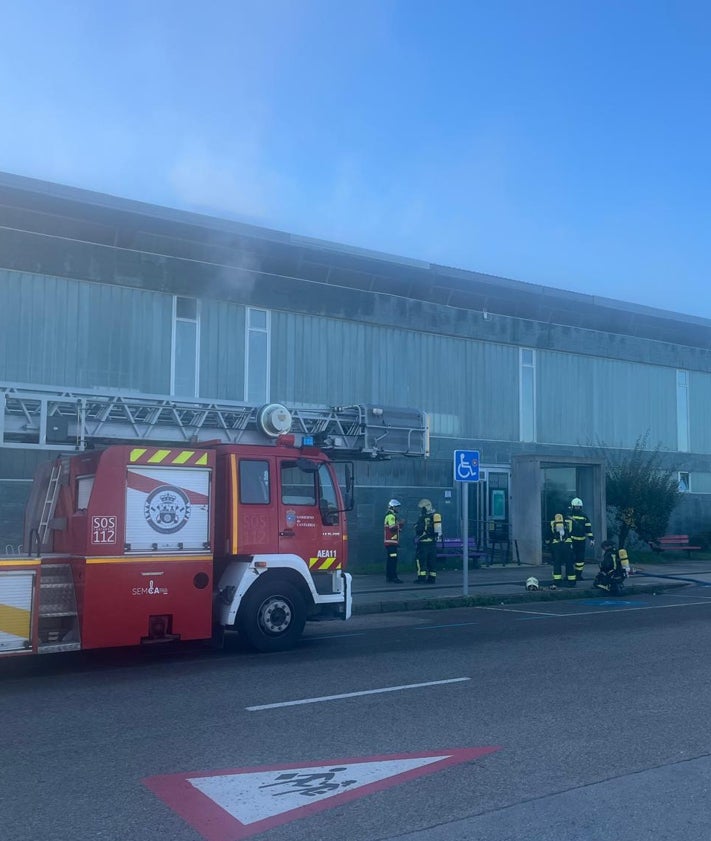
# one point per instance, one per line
(700, 412)
(62, 332)
(588, 401)
(322, 360)
(65, 332)
(221, 350)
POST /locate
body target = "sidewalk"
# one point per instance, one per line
(371, 594)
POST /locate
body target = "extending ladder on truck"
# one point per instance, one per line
(56, 418)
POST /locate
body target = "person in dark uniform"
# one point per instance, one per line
(428, 530)
(581, 533)
(611, 577)
(560, 540)
(392, 526)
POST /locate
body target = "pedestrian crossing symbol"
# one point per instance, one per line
(229, 805)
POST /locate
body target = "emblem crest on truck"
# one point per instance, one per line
(167, 509)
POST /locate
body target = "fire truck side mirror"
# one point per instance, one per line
(329, 514)
(348, 496)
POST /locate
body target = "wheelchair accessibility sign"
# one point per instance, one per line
(466, 465)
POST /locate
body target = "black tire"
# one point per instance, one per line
(272, 615)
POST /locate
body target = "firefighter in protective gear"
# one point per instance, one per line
(560, 540)
(581, 533)
(428, 530)
(611, 577)
(392, 526)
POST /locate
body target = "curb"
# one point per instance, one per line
(444, 602)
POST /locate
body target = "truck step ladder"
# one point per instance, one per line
(58, 619)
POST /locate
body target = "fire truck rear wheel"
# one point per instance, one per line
(272, 615)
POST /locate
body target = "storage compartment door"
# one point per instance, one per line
(167, 509)
(16, 592)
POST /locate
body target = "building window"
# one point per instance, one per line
(684, 482)
(256, 356)
(527, 394)
(185, 356)
(682, 411)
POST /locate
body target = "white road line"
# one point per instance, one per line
(355, 694)
(439, 627)
(514, 610)
(335, 636)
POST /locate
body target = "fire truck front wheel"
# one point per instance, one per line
(272, 615)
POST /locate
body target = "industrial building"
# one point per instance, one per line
(106, 295)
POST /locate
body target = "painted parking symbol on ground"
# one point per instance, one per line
(229, 805)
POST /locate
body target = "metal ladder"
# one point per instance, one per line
(58, 619)
(50, 502)
(79, 419)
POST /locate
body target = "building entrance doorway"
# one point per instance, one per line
(542, 487)
(560, 484)
(489, 513)
(558, 487)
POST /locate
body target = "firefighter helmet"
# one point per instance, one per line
(393, 503)
(426, 504)
(532, 583)
(577, 502)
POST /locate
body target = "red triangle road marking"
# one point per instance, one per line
(232, 804)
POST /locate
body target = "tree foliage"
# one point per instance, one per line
(642, 492)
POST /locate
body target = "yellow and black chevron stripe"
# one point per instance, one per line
(324, 564)
(177, 457)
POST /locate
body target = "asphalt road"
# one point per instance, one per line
(599, 710)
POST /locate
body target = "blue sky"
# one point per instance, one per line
(559, 143)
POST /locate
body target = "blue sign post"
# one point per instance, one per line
(466, 470)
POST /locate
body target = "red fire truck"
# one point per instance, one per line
(141, 543)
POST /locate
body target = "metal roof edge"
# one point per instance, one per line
(160, 212)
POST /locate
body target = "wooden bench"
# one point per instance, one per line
(674, 542)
